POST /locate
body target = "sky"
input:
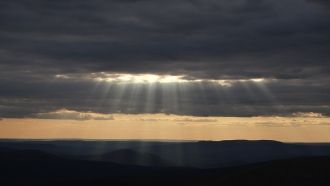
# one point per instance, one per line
(90, 62)
(167, 128)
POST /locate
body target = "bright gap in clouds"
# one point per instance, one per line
(142, 78)
(155, 78)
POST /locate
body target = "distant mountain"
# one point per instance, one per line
(203, 154)
(311, 171)
(23, 167)
(34, 167)
(131, 157)
(208, 154)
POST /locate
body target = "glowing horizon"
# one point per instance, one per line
(301, 127)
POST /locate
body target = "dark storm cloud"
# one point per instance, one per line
(200, 39)
(203, 99)
(321, 2)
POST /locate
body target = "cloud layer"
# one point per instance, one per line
(43, 42)
(73, 115)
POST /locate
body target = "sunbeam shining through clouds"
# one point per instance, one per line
(165, 92)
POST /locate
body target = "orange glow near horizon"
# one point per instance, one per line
(171, 127)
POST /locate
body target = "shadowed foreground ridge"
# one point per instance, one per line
(36, 166)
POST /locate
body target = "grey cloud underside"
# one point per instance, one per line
(201, 39)
(203, 99)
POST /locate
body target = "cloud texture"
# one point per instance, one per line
(43, 42)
